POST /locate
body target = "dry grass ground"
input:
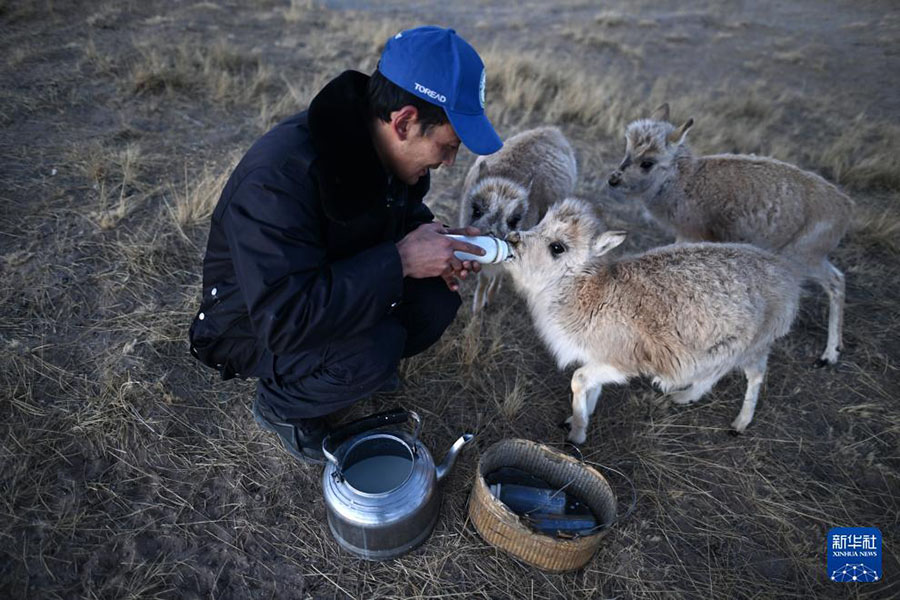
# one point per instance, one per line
(128, 471)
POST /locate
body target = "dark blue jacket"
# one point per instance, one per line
(302, 242)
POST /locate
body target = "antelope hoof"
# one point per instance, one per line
(739, 425)
(576, 435)
(685, 396)
(829, 358)
(577, 438)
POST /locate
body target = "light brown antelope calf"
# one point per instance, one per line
(738, 198)
(684, 314)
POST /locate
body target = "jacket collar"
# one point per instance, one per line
(350, 175)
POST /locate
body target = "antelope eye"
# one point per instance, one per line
(513, 221)
(647, 164)
(476, 211)
(556, 248)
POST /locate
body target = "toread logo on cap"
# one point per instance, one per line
(433, 94)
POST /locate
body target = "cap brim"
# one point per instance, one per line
(476, 132)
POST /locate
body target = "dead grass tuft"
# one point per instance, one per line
(532, 87)
(514, 400)
(196, 199)
(117, 179)
(105, 18)
(299, 10)
(878, 228)
(864, 155)
(104, 63)
(608, 18)
(742, 124)
(17, 56)
(216, 71)
(296, 97)
(602, 40)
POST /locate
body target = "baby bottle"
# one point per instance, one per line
(495, 249)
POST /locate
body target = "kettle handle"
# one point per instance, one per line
(395, 416)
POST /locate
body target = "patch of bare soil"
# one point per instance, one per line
(128, 471)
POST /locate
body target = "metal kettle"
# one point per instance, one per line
(380, 487)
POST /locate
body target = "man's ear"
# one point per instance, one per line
(403, 120)
(606, 241)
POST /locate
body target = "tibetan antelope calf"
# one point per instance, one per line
(738, 198)
(512, 189)
(684, 314)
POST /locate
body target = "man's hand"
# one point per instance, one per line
(427, 252)
(472, 266)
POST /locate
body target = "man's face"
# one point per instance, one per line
(421, 151)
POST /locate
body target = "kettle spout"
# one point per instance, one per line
(447, 464)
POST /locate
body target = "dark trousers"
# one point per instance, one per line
(343, 371)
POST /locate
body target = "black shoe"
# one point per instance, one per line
(301, 437)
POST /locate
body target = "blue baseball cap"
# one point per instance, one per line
(440, 67)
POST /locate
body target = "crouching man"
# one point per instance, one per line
(323, 267)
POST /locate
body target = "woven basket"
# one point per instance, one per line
(501, 527)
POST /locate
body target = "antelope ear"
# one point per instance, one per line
(482, 165)
(523, 205)
(678, 135)
(606, 241)
(661, 113)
